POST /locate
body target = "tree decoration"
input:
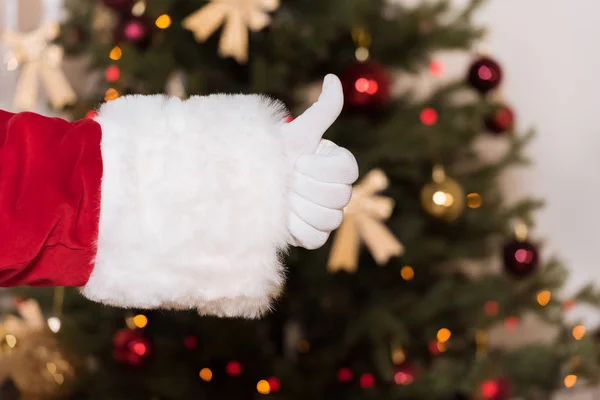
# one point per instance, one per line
(501, 120)
(495, 389)
(38, 58)
(405, 373)
(30, 355)
(366, 86)
(485, 74)
(521, 257)
(443, 198)
(135, 30)
(104, 23)
(344, 375)
(131, 347)
(237, 16)
(363, 220)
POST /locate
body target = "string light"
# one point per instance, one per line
(163, 22)
(403, 378)
(511, 323)
(474, 200)
(139, 8)
(367, 381)
(206, 374)
(489, 389)
(59, 379)
(407, 273)
(140, 321)
(579, 332)
(274, 384)
(11, 341)
(570, 381)
(303, 346)
(51, 367)
(491, 308)
(116, 53)
(429, 116)
(543, 297)
(54, 324)
(368, 86)
(344, 375)
(362, 54)
(398, 356)
(569, 304)
(190, 342)
(263, 387)
(233, 368)
(112, 74)
(436, 68)
(111, 94)
(444, 335)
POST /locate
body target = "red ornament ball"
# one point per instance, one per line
(233, 368)
(502, 120)
(119, 5)
(495, 389)
(131, 347)
(366, 85)
(485, 74)
(520, 258)
(134, 30)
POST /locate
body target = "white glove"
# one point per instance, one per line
(323, 172)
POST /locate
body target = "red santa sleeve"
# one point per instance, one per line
(50, 173)
(157, 203)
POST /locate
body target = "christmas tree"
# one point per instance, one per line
(430, 260)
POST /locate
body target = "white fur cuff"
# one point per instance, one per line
(194, 204)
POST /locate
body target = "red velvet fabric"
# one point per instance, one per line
(50, 174)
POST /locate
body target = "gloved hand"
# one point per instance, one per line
(323, 171)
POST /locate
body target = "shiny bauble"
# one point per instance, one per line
(485, 74)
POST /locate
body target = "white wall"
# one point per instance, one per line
(549, 49)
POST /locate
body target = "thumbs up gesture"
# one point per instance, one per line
(323, 171)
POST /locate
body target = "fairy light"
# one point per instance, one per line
(163, 22)
(579, 332)
(206, 374)
(444, 335)
(303, 346)
(11, 341)
(491, 308)
(112, 74)
(116, 53)
(344, 375)
(570, 381)
(474, 200)
(263, 387)
(398, 356)
(407, 273)
(543, 297)
(274, 384)
(511, 323)
(54, 324)
(140, 321)
(111, 94)
(429, 116)
(139, 8)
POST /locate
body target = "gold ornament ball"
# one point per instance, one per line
(444, 199)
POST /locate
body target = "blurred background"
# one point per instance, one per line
(470, 301)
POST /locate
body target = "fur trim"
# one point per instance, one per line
(194, 204)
